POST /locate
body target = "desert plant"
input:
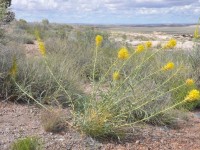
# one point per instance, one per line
(45, 22)
(54, 121)
(3, 6)
(194, 59)
(22, 24)
(28, 143)
(6, 16)
(136, 86)
(132, 97)
(141, 97)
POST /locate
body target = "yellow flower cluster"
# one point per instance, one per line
(42, 48)
(196, 33)
(168, 66)
(98, 118)
(190, 82)
(170, 44)
(193, 95)
(140, 48)
(37, 35)
(123, 54)
(13, 69)
(98, 40)
(116, 75)
(148, 44)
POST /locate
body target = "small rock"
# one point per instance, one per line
(61, 139)
(137, 142)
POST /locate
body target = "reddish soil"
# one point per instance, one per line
(32, 49)
(18, 121)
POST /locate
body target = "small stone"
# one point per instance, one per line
(162, 141)
(137, 142)
(61, 139)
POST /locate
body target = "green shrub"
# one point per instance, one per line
(139, 92)
(22, 24)
(35, 78)
(28, 143)
(129, 87)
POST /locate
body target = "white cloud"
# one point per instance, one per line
(33, 4)
(105, 8)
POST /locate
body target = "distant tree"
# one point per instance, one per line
(23, 21)
(22, 24)
(6, 3)
(45, 21)
(5, 14)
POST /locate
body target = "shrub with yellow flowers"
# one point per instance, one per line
(136, 92)
(133, 93)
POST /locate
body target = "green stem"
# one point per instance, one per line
(60, 86)
(153, 115)
(151, 100)
(112, 92)
(93, 72)
(29, 95)
(158, 86)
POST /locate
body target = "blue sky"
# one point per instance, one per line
(108, 11)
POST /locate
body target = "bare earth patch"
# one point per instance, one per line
(18, 121)
(32, 49)
(184, 41)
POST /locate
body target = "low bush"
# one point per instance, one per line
(28, 143)
(54, 121)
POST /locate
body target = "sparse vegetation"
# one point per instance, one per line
(28, 143)
(54, 121)
(129, 85)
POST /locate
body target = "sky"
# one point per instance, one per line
(108, 11)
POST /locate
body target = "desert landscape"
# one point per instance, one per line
(79, 86)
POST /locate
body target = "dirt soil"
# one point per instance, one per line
(18, 121)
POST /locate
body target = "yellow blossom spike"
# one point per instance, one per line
(37, 35)
(123, 53)
(42, 48)
(193, 95)
(196, 33)
(148, 44)
(13, 69)
(140, 48)
(170, 44)
(189, 82)
(98, 40)
(168, 66)
(116, 75)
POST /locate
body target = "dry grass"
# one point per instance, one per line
(54, 121)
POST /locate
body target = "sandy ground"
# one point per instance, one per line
(18, 121)
(184, 42)
(32, 49)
